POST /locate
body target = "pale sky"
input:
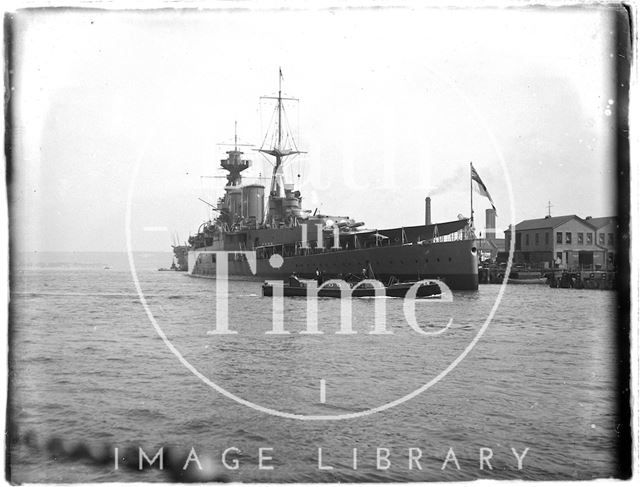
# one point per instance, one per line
(394, 104)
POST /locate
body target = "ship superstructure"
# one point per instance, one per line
(309, 242)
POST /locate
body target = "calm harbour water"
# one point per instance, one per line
(89, 367)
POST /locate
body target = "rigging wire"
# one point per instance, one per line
(267, 133)
(206, 211)
(288, 129)
(288, 141)
(294, 158)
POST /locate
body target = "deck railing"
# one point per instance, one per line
(298, 249)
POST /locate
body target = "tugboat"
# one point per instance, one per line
(173, 267)
(282, 238)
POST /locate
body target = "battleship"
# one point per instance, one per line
(180, 256)
(288, 239)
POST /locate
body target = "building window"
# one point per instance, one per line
(567, 238)
(537, 239)
(580, 238)
(609, 238)
(546, 238)
(589, 238)
(558, 257)
(526, 239)
(601, 238)
(559, 237)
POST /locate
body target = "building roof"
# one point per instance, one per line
(555, 221)
(548, 222)
(601, 222)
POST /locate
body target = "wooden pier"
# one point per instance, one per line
(582, 279)
(555, 278)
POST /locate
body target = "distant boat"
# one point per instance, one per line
(173, 267)
(535, 280)
(107, 267)
(526, 277)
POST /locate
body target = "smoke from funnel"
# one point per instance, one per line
(444, 186)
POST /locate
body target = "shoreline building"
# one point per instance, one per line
(565, 242)
(607, 231)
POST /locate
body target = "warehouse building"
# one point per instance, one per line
(566, 242)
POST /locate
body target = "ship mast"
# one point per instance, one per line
(279, 107)
(234, 163)
(279, 152)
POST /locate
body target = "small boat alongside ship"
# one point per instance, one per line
(356, 289)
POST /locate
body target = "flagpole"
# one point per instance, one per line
(471, 190)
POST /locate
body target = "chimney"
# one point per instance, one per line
(427, 211)
(490, 224)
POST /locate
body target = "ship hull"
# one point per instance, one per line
(455, 263)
